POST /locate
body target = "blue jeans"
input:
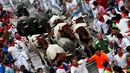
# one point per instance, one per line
(77, 12)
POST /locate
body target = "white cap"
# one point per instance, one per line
(53, 18)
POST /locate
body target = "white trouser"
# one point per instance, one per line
(22, 61)
(24, 55)
(101, 70)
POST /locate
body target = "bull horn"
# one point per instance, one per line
(68, 54)
(34, 40)
(40, 26)
(26, 26)
(34, 21)
(24, 22)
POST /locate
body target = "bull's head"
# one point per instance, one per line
(66, 31)
(42, 41)
(83, 35)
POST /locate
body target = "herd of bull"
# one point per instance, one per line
(72, 34)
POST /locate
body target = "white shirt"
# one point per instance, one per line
(85, 6)
(123, 25)
(91, 3)
(31, 1)
(12, 30)
(74, 69)
(106, 17)
(82, 67)
(100, 25)
(112, 15)
(129, 15)
(121, 61)
(56, 3)
(72, 5)
(21, 43)
(14, 52)
(124, 43)
(60, 71)
(95, 12)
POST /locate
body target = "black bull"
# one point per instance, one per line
(33, 25)
(22, 10)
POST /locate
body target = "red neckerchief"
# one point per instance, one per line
(1, 29)
(9, 66)
(20, 38)
(89, 1)
(120, 55)
(60, 67)
(109, 69)
(74, 65)
(9, 26)
(129, 24)
(101, 19)
(118, 21)
(11, 44)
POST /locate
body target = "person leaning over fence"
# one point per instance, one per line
(99, 57)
